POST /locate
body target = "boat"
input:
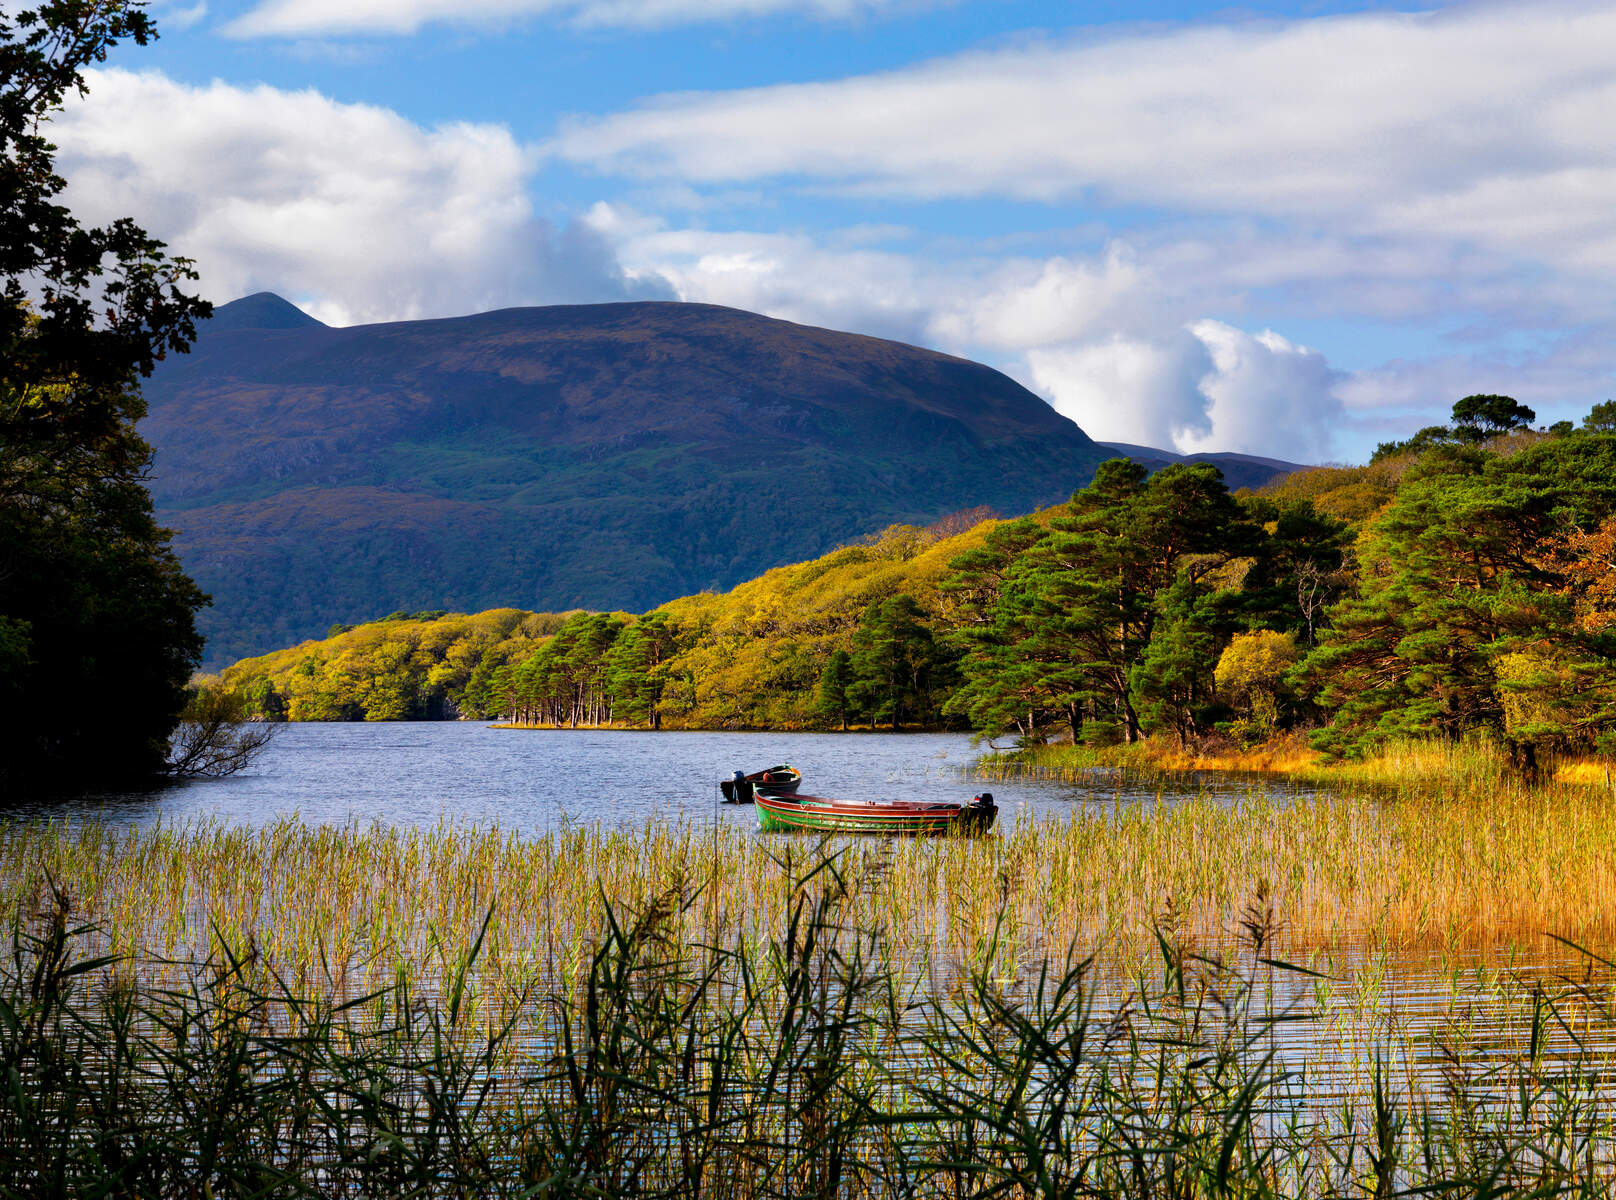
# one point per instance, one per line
(791, 814)
(771, 781)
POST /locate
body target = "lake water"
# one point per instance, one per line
(533, 781)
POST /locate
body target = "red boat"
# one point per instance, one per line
(790, 814)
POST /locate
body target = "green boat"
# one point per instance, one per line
(796, 814)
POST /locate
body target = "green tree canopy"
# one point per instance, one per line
(99, 638)
(1461, 620)
(1484, 416)
(1601, 418)
(637, 668)
(899, 668)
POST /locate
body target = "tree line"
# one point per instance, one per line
(1477, 593)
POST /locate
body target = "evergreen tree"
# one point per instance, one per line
(1476, 418)
(897, 663)
(832, 699)
(1298, 572)
(1461, 616)
(1101, 571)
(637, 669)
(1172, 682)
(1004, 683)
(1601, 418)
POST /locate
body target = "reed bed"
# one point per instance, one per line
(1190, 997)
(363, 904)
(792, 1064)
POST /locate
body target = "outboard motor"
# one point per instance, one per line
(985, 800)
(736, 789)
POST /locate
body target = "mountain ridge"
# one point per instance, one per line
(600, 456)
(1239, 470)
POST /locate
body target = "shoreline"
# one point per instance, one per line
(1475, 763)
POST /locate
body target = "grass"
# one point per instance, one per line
(1093, 1006)
(1482, 863)
(1475, 765)
(795, 1064)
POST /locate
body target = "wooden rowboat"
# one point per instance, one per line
(772, 781)
(791, 814)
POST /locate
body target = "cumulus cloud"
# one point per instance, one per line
(1026, 304)
(1209, 386)
(348, 208)
(304, 18)
(1128, 389)
(1262, 382)
(794, 276)
(1445, 175)
(886, 280)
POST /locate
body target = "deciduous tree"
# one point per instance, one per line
(97, 614)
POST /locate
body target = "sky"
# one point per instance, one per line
(1294, 229)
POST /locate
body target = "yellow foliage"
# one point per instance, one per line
(753, 655)
(749, 657)
(1352, 494)
(380, 671)
(1251, 671)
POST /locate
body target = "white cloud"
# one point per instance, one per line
(175, 14)
(1451, 124)
(1261, 383)
(884, 280)
(1128, 389)
(1026, 304)
(1208, 386)
(304, 18)
(1441, 177)
(792, 276)
(1096, 336)
(348, 208)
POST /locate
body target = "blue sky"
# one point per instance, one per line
(1293, 229)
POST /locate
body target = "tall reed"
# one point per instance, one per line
(357, 905)
(794, 1064)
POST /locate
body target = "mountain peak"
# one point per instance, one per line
(261, 310)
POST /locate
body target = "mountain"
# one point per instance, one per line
(608, 456)
(261, 310)
(1239, 470)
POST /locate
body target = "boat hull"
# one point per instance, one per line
(775, 781)
(817, 814)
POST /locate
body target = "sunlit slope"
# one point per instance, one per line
(747, 657)
(597, 456)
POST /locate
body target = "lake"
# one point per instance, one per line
(421, 775)
(533, 781)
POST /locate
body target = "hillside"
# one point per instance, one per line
(751, 656)
(594, 456)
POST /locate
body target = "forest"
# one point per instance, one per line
(1462, 580)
